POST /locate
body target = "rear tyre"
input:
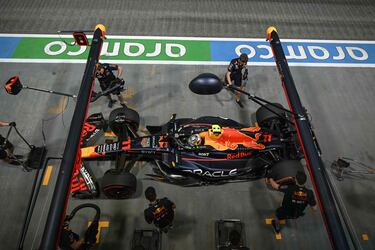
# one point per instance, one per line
(283, 172)
(265, 117)
(119, 185)
(121, 118)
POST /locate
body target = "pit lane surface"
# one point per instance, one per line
(340, 101)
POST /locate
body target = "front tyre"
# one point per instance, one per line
(121, 118)
(283, 172)
(266, 118)
(118, 185)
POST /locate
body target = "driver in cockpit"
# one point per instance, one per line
(195, 140)
(198, 140)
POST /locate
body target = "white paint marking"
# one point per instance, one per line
(156, 62)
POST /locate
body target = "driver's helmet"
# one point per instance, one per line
(216, 129)
(195, 140)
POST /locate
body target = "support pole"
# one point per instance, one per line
(50, 91)
(60, 196)
(315, 165)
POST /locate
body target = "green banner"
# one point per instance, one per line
(114, 49)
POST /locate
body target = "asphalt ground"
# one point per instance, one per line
(340, 101)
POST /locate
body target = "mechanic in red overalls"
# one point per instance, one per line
(7, 148)
(106, 78)
(160, 211)
(296, 198)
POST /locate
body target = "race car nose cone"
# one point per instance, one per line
(206, 84)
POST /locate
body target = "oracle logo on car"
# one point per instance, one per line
(213, 174)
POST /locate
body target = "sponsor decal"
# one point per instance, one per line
(299, 197)
(238, 155)
(88, 131)
(87, 177)
(203, 154)
(126, 145)
(146, 142)
(115, 49)
(267, 137)
(163, 142)
(187, 50)
(87, 127)
(298, 51)
(104, 148)
(213, 174)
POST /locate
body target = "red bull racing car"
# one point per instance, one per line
(190, 152)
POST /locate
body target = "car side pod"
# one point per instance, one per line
(206, 84)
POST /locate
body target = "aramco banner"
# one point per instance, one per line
(186, 50)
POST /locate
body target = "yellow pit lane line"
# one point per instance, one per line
(47, 175)
(364, 236)
(102, 224)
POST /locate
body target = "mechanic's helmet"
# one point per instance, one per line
(194, 140)
(216, 129)
(98, 66)
(244, 58)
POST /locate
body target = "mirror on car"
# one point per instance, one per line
(206, 84)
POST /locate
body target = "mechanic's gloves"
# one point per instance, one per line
(12, 124)
(120, 84)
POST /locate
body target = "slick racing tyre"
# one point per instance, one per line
(121, 118)
(283, 172)
(118, 185)
(266, 118)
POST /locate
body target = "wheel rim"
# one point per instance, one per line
(120, 122)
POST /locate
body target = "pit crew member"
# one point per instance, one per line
(160, 211)
(296, 198)
(107, 79)
(237, 74)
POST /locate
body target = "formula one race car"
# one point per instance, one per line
(193, 152)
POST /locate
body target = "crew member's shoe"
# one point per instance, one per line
(18, 156)
(15, 162)
(166, 229)
(111, 102)
(124, 105)
(276, 226)
(239, 103)
(163, 230)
